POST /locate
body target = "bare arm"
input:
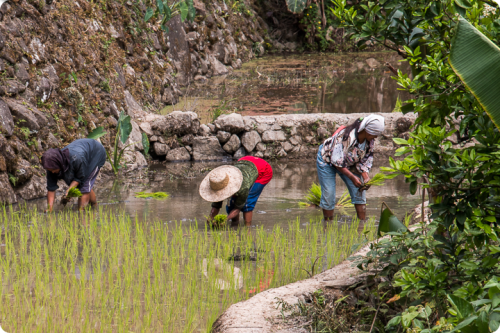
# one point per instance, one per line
(356, 181)
(233, 214)
(51, 196)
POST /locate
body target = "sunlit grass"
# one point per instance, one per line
(103, 271)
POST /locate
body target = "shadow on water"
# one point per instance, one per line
(278, 203)
(310, 83)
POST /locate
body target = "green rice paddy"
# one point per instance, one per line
(103, 271)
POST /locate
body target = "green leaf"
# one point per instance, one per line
(159, 4)
(494, 294)
(460, 10)
(296, 6)
(464, 323)
(149, 14)
(191, 10)
(482, 323)
(407, 108)
(96, 133)
(145, 143)
(400, 141)
(413, 187)
(183, 7)
(125, 127)
(463, 3)
(389, 222)
(494, 325)
(464, 308)
(476, 60)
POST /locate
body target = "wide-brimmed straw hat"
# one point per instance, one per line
(221, 183)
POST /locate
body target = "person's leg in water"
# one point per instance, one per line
(253, 197)
(88, 194)
(327, 180)
(357, 198)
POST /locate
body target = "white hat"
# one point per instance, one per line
(221, 183)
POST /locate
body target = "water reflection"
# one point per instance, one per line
(310, 83)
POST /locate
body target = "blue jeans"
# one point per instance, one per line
(252, 198)
(327, 180)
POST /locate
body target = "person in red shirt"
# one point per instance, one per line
(242, 184)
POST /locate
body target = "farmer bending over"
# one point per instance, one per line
(78, 164)
(242, 183)
(349, 154)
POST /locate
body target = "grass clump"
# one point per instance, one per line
(379, 179)
(313, 196)
(118, 274)
(154, 195)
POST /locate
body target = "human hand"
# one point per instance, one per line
(356, 181)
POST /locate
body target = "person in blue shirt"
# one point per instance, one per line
(78, 164)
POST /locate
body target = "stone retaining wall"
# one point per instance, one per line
(180, 137)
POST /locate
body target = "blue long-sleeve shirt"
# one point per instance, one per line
(84, 156)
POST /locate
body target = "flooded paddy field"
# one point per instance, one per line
(278, 204)
(311, 83)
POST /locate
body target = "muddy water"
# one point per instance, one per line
(310, 83)
(278, 203)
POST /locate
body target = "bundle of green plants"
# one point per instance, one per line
(73, 193)
(117, 274)
(312, 197)
(219, 220)
(379, 179)
(154, 195)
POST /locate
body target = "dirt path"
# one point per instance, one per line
(258, 313)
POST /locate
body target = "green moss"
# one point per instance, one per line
(154, 195)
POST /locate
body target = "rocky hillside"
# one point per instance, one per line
(67, 67)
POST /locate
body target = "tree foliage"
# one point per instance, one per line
(453, 152)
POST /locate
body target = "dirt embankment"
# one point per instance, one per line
(67, 67)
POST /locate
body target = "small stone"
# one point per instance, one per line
(281, 153)
(178, 154)
(273, 136)
(296, 140)
(260, 146)
(146, 128)
(250, 139)
(232, 145)
(204, 130)
(153, 138)
(403, 124)
(223, 137)
(239, 153)
(372, 63)
(259, 154)
(6, 120)
(160, 149)
(322, 133)
(287, 146)
(207, 148)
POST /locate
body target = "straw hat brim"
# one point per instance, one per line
(233, 186)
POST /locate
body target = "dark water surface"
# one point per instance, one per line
(307, 83)
(278, 203)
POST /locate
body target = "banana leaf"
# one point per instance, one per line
(476, 60)
(389, 222)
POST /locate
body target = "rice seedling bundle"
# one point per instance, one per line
(154, 195)
(313, 196)
(219, 220)
(379, 179)
(116, 274)
(73, 193)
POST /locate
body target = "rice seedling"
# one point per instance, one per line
(312, 197)
(73, 193)
(116, 274)
(379, 179)
(154, 195)
(219, 220)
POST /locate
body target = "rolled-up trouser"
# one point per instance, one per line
(88, 184)
(327, 179)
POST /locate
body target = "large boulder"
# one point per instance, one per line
(250, 139)
(36, 187)
(23, 171)
(7, 194)
(6, 120)
(207, 148)
(133, 108)
(233, 144)
(178, 123)
(273, 136)
(178, 154)
(232, 123)
(22, 114)
(217, 66)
